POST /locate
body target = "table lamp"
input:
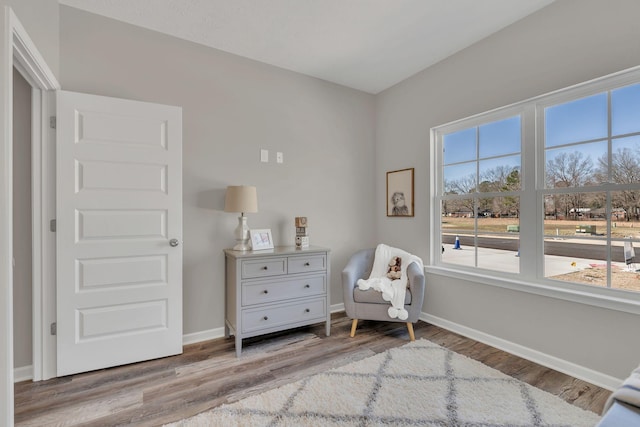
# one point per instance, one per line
(241, 198)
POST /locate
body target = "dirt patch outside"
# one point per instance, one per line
(621, 278)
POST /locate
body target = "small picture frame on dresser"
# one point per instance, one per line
(261, 239)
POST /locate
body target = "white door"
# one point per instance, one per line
(119, 231)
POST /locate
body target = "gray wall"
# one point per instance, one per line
(21, 220)
(568, 42)
(233, 107)
(41, 20)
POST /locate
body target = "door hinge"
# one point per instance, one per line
(52, 122)
(54, 328)
(52, 225)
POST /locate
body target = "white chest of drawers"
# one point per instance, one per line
(273, 290)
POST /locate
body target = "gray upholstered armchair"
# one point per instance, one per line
(369, 305)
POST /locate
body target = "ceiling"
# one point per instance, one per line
(368, 45)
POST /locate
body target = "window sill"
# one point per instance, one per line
(594, 298)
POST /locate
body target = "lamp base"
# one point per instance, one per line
(242, 235)
(242, 246)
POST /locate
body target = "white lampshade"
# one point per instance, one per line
(241, 198)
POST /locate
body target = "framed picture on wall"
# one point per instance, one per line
(261, 239)
(400, 192)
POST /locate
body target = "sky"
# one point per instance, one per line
(582, 124)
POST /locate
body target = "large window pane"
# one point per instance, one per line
(625, 234)
(488, 239)
(565, 212)
(507, 261)
(575, 244)
(457, 215)
(576, 166)
(581, 261)
(458, 230)
(625, 269)
(625, 210)
(499, 138)
(625, 110)
(500, 174)
(499, 215)
(581, 120)
(459, 146)
(460, 179)
(625, 160)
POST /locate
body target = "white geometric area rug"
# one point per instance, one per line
(418, 384)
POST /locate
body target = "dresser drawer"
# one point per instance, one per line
(280, 290)
(264, 267)
(303, 264)
(286, 315)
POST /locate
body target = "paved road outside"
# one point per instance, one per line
(507, 261)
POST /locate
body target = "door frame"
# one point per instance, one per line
(17, 49)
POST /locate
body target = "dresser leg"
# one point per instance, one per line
(328, 327)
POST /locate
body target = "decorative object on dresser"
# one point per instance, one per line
(302, 235)
(276, 290)
(400, 192)
(241, 199)
(261, 239)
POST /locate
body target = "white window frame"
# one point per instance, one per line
(476, 121)
(531, 277)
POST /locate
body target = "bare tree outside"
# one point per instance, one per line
(570, 170)
(625, 169)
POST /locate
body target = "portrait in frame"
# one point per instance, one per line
(400, 193)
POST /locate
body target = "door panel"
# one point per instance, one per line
(119, 203)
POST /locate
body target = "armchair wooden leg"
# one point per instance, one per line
(411, 334)
(354, 325)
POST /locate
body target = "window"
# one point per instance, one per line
(545, 192)
(481, 193)
(591, 194)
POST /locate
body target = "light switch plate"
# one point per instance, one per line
(264, 156)
(279, 157)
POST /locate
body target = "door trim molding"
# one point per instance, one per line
(43, 240)
(28, 61)
(16, 49)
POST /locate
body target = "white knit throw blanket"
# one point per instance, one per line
(393, 291)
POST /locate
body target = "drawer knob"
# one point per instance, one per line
(265, 318)
(306, 310)
(265, 291)
(306, 264)
(265, 268)
(307, 286)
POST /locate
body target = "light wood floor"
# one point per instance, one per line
(208, 374)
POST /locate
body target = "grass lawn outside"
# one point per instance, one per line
(552, 227)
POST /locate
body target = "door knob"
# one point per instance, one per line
(174, 242)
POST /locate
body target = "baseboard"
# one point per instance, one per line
(23, 373)
(196, 337)
(560, 365)
(336, 308)
(26, 372)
